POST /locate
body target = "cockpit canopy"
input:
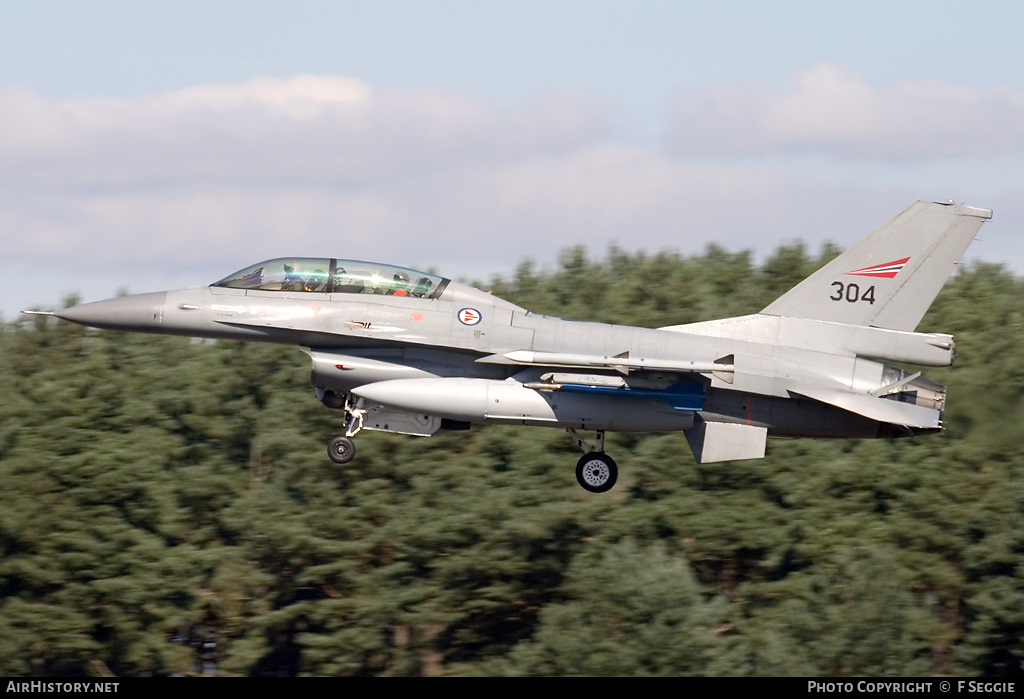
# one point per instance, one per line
(328, 275)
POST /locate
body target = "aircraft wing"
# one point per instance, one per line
(723, 368)
(881, 409)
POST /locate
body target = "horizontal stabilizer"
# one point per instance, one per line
(880, 409)
(726, 441)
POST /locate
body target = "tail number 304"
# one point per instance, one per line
(851, 293)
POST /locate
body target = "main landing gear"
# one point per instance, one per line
(596, 472)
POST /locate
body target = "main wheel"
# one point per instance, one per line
(597, 472)
(341, 450)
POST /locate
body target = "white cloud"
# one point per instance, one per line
(309, 128)
(325, 165)
(187, 186)
(831, 110)
(487, 216)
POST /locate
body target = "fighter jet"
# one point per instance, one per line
(411, 352)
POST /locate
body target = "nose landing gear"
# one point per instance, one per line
(342, 449)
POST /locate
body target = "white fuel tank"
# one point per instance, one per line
(509, 402)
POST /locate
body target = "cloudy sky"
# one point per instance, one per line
(148, 145)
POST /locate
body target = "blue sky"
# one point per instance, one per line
(150, 145)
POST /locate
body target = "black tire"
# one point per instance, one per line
(341, 450)
(596, 472)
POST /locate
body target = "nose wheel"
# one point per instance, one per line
(341, 450)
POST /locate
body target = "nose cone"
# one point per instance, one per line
(139, 313)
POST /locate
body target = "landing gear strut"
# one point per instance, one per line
(596, 472)
(342, 449)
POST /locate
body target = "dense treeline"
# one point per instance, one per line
(167, 506)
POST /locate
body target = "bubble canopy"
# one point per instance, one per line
(329, 275)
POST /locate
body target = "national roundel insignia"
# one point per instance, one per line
(469, 316)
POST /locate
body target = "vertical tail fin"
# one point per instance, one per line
(890, 278)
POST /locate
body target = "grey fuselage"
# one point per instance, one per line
(465, 333)
(405, 351)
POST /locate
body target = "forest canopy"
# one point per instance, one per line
(167, 507)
